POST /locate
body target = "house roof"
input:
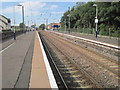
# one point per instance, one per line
(5, 18)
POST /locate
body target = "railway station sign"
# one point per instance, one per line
(96, 20)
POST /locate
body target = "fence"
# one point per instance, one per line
(9, 34)
(109, 32)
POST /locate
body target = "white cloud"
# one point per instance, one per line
(10, 9)
(62, 0)
(29, 6)
(49, 0)
(33, 5)
(53, 7)
(57, 12)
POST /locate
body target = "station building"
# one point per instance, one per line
(53, 26)
(5, 23)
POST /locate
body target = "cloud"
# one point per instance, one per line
(29, 7)
(62, 0)
(35, 5)
(10, 9)
(57, 12)
(50, 0)
(53, 7)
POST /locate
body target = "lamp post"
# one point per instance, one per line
(14, 19)
(96, 19)
(27, 23)
(22, 15)
(47, 21)
(69, 19)
(14, 36)
(46, 24)
(65, 25)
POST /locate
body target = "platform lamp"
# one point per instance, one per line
(96, 19)
(14, 23)
(69, 19)
(22, 14)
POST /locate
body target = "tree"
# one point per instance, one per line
(21, 25)
(42, 26)
(33, 26)
(83, 16)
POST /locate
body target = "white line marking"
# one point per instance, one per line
(6, 47)
(51, 78)
(114, 46)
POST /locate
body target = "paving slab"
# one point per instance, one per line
(39, 76)
(13, 60)
(112, 40)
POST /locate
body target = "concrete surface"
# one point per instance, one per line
(16, 62)
(39, 77)
(113, 41)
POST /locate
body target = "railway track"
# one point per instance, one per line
(92, 65)
(108, 50)
(60, 81)
(104, 62)
(111, 65)
(71, 75)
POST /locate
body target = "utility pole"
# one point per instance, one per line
(28, 25)
(14, 23)
(23, 17)
(69, 23)
(46, 23)
(69, 20)
(109, 33)
(65, 25)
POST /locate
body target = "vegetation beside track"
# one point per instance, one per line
(82, 18)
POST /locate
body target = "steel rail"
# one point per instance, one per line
(45, 46)
(82, 70)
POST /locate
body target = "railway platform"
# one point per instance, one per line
(41, 73)
(104, 39)
(113, 43)
(16, 61)
(25, 64)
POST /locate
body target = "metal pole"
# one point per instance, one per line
(14, 22)
(96, 30)
(23, 13)
(109, 33)
(28, 25)
(69, 23)
(23, 17)
(46, 23)
(69, 20)
(96, 23)
(65, 25)
(96, 11)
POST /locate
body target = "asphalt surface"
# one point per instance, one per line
(9, 41)
(113, 41)
(16, 62)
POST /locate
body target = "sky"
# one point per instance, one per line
(35, 11)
